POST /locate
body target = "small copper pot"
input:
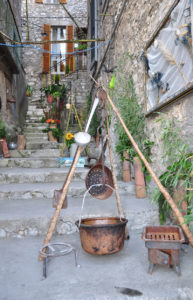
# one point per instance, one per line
(103, 235)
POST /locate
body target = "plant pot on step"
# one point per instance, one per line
(51, 138)
(3, 143)
(139, 178)
(21, 142)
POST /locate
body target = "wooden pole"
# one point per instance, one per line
(119, 206)
(157, 181)
(60, 202)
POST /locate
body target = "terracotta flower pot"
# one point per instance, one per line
(21, 142)
(126, 167)
(139, 178)
(3, 143)
(50, 99)
(51, 138)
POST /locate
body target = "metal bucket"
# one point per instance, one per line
(103, 235)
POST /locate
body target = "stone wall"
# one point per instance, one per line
(12, 80)
(40, 14)
(137, 25)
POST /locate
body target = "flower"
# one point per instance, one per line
(69, 136)
(52, 121)
(69, 139)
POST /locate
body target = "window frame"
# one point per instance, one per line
(52, 55)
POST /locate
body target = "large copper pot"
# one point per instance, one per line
(103, 235)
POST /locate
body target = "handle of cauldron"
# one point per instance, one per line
(95, 103)
(98, 184)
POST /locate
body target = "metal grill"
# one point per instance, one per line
(163, 243)
(159, 236)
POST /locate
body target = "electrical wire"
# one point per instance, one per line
(53, 53)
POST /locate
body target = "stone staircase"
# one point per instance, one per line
(28, 180)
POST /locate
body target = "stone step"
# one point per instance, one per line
(34, 102)
(42, 145)
(36, 139)
(46, 190)
(32, 217)
(36, 134)
(35, 153)
(30, 175)
(34, 125)
(29, 162)
(35, 112)
(34, 106)
(33, 129)
(33, 119)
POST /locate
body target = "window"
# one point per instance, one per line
(58, 51)
(168, 59)
(93, 30)
(58, 58)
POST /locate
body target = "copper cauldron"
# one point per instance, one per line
(103, 235)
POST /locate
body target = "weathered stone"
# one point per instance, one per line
(137, 25)
(56, 16)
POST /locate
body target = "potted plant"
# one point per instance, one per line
(3, 141)
(29, 91)
(81, 47)
(49, 90)
(70, 143)
(53, 91)
(53, 132)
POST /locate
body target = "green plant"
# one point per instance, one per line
(55, 89)
(57, 133)
(69, 139)
(29, 90)
(43, 120)
(133, 116)
(2, 129)
(180, 169)
(49, 112)
(82, 46)
(67, 69)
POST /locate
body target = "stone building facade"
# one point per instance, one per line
(51, 13)
(12, 75)
(127, 27)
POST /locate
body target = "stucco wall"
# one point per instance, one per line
(137, 25)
